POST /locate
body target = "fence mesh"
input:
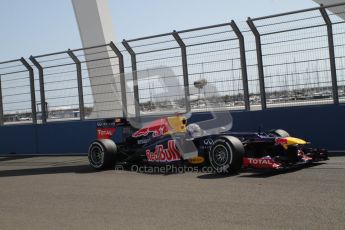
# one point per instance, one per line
(296, 59)
(202, 69)
(15, 92)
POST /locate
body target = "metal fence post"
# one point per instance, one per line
(135, 77)
(80, 84)
(1, 106)
(260, 62)
(32, 89)
(331, 53)
(42, 90)
(184, 69)
(243, 63)
(122, 77)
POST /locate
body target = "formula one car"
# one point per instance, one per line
(170, 140)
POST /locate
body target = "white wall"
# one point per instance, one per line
(95, 27)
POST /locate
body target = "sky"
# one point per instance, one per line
(42, 26)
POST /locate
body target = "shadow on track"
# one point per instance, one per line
(270, 173)
(47, 170)
(216, 176)
(10, 158)
(259, 173)
(42, 168)
(151, 169)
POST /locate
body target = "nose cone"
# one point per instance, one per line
(295, 141)
(290, 141)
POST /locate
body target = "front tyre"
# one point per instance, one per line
(226, 155)
(102, 154)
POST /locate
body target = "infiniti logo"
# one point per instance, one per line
(208, 142)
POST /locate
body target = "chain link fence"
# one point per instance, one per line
(283, 60)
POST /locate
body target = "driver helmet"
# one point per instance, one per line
(194, 130)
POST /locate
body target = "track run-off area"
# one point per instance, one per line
(63, 192)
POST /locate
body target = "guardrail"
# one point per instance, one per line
(284, 60)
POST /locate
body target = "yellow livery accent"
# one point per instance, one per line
(178, 124)
(295, 141)
(196, 160)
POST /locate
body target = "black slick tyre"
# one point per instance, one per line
(102, 154)
(226, 155)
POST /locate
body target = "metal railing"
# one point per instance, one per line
(289, 59)
(17, 92)
(296, 57)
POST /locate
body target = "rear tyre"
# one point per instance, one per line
(102, 154)
(226, 155)
(280, 133)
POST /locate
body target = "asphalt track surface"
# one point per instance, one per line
(64, 193)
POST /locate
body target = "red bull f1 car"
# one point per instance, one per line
(170, 140)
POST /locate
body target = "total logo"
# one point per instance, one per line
(105, 133)
(164, 155)
(260, 161)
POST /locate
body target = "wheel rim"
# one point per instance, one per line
(96, 156)
(220, 155)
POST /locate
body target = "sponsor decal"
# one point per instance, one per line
(281, 141)
(104, 124)
(260, 161)
(155, 130)
(208, 142)
(196, 160)
(143, 141)
(105, 133)
(265, 162)
(164, 155)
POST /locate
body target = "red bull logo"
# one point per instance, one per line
(164, 155)
(281, 141)
(155, 130)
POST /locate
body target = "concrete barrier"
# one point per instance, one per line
(324, 126)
